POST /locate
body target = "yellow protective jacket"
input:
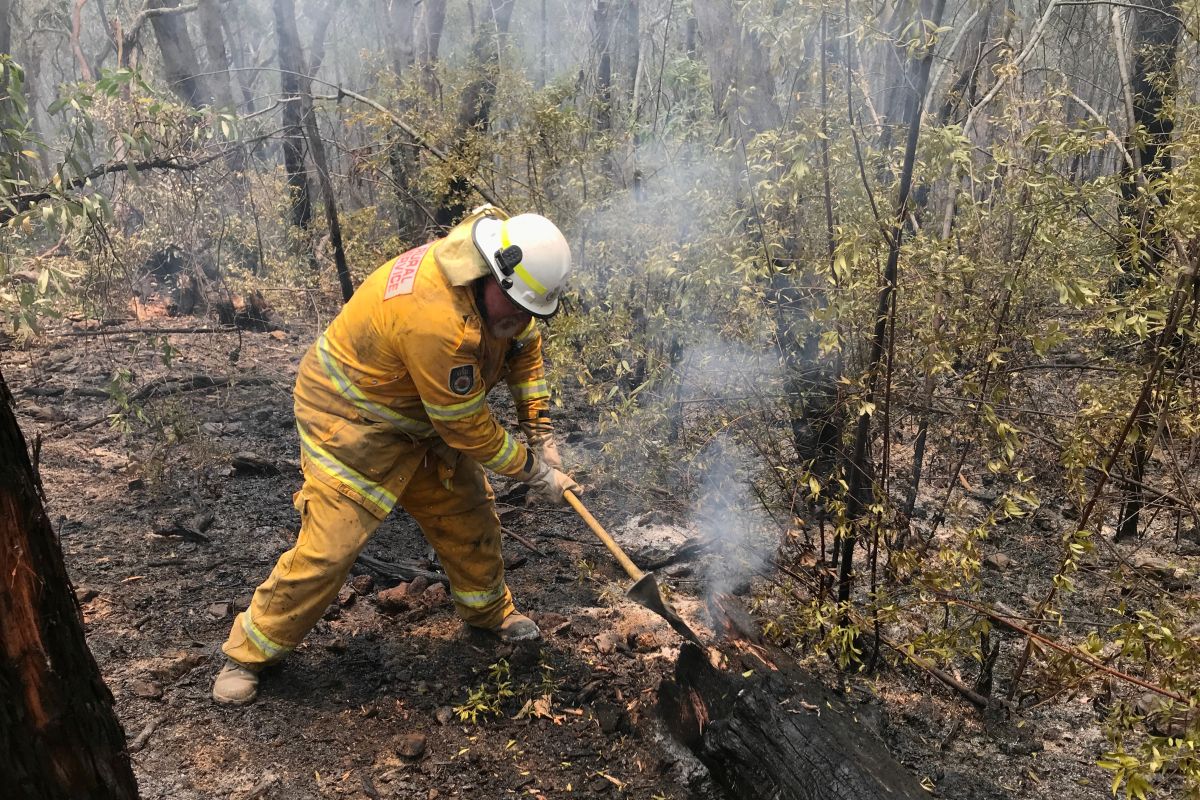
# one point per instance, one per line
(407, 365)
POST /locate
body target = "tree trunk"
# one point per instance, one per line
(5, 26)
(475, 110)
(739, 66)
(858, 477)
(1153, 83)
(215, 52)
(231, 23)
(603, 24)
(58, 735)
(291, 71)
(399, 16)
(432, 20)
(180, 64)
(327, 197)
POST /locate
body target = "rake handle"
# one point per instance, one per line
(630, 568)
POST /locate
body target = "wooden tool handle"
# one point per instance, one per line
(598, 529)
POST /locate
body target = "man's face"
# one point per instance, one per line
(504, 320)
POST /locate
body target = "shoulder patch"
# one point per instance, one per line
(404, 272)
(462, 379)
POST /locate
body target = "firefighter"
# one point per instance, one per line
(391, 409)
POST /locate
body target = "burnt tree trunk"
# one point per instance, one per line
(58, 735)
(180, 63)
(291, 71)
(776, 736)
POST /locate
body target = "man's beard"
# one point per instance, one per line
(508, 327)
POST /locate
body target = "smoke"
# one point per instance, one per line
(729, 516)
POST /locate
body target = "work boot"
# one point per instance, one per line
(235, 685)
(517, 628)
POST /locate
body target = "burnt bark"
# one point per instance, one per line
(291, 70)
(329, 202)
(180, 64)
(59, 737)
(776, 735)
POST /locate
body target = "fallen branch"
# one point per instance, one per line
(162, 386)
(523, 540)
(140, 741)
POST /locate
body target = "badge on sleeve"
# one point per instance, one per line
(462, 379)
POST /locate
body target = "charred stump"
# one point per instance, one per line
(59, 737)
(774, 734)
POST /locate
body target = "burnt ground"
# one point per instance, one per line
(371, 705)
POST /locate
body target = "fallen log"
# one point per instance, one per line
(767, 731)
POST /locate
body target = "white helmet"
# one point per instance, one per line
(529, 257)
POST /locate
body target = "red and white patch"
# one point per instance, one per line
(404, 272)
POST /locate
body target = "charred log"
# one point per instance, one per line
(775, 734)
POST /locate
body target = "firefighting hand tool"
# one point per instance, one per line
(644, 591)
(529, 257)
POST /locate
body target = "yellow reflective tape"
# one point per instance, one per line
(455, 411)
(523, 273)
(347, 389)
(529, 390)
(269, 647)
(503, 458)
(526, 335)
(530, 281)
(478, 599)
(369, 489)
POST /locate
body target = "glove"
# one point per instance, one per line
(540, 437)
(547, 483)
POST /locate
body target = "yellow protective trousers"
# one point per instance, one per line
(457, 515)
